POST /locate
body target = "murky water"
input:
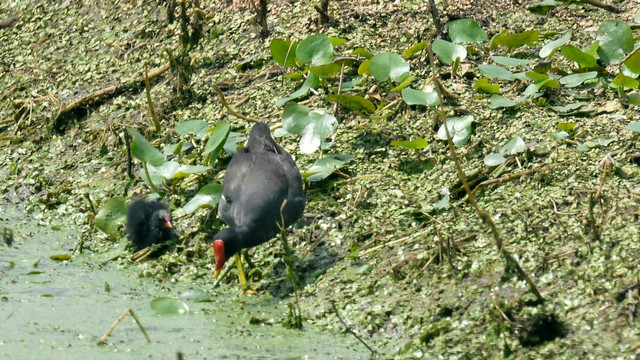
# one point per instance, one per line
(60, 309)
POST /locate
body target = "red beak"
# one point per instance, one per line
(218, 249)
(167, 224)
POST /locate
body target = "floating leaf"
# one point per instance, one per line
(574, 54)
(615, 39)
(459, 129)
(311, 82)
(336, 41)
(514, 146)
(168, 306)
(494, 159)
(498, 101)
(625, 81)
(406, 81)
(216, 140)
(195, 295)
(633, 63)
(326, 70)
(633, 98)
(465, 30)
(496, 72)
(362, 52)
(510, 61)
(143, 150)
(192, 127)
(315, 50)
(112, 214)
(60, 257)
(512, 41)
(207, 197)
(388, 65)
(326, 166)
(415, 49)
(634, 126)
(574, 80)
(418, 97)
(483, 86)
(314, 125)
(566, 126)
(551, 47)
(353, 102)
(448, 52)
(413, 144)
(174, 170)
(543, 7)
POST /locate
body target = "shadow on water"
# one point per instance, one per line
(60, 309)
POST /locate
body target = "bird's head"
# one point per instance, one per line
(225, 245)
(163, 218)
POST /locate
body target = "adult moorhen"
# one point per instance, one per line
(259, 179)
(149, 222)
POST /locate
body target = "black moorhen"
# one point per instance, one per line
(148, 223)
(259, 178)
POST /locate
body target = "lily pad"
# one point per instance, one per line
(143, 150)
(326, 166)
(207, 197)
(111, 215)
(418, 97)
(459, 129)
(168, 306)
(388, 65)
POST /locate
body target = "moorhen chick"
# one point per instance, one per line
(259, 178)
(149, 222)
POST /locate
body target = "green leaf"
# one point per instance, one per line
(321, 124)
(615, 39)
(633, 98)
(496, 72)
(326, 70)
(353, 102)
(494, 159)
(514, 146)
(143, 150)
(315, 50)
(406, 81)
(216, 140)
(512, 41)
(156, 177)
(111, 215)
(625, 81)
(574, 54)
(195, 295)
(174, 170)
(232, 145)
(314, 126)
(192, 127)
(483, 86)
(465, 30)
(207, 197)
(415, 144)
(410, 52)
(418, 97)
(312, 82)
(543, 7)
(566, 126)
(498, 101)
(448, 52)
(362, 52)
(574, 80)
(633, 63)
(326, 166)
(459, 129)
(552, 46)
(336, 41)
(634, 126)
(364, 68)
(509, 61)
(168, 306)
(388, 65)
(283, 52)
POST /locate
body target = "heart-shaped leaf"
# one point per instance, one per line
(283, 52)
(514, 146)
(615, 40)
(388, 65)
(459, 129)
(315, 50)
(448, 52)
(208, 197)
(417, 97)
(574, 54)
(111, 215)
(198, 127)
(465, 30)
(353, 102)
(144, 150)
(326, 166)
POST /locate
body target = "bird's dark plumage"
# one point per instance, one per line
(149, 222)
(257, 181)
